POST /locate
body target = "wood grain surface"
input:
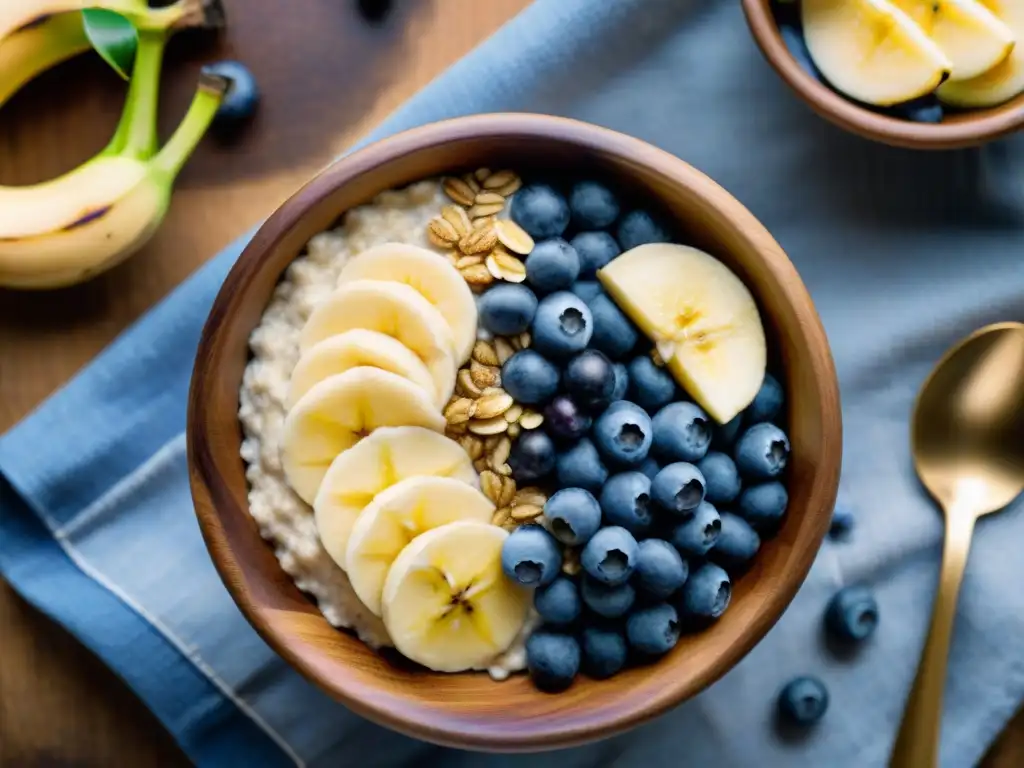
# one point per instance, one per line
(327, 78)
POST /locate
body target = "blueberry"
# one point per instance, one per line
(595, 250)
(651, 387)
(610, 555)
(593, 205)
(607, 601)
(563, 325)
(737, 542)
(614, 333)
(721, 478)
(803, 701)
(604, 651)
(529, 377)
(374, 11)
(639, 227)
(558, 602)
(531, 556)
(793, 38)
(626, 501)
(706, 593)
(565, 420)
(682, 432)
(842, 521)
(695, 536)
(763, 505)
(653, 631)
(650, 467)
(507, 309)
(623, 433)
(621, 382)
(532, 457)
(574, 515)
(590, 378)
(540, 210)
(553, 659)
(762, 452)
(552, 265)
(587, 289)
(852, 614)
(660, 570)
(581, 467)
(927, 109)
(767, 402)
(242, 98)
(723, 436)
(679, 488)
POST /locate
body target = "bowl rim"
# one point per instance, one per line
(823, 484)
(979, 126)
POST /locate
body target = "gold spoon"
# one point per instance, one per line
(968, 446)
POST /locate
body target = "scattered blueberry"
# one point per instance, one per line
(540, 210)
(737, 542)
(553, 659)
(587, 289)
(638, 228)
(767, 402)
(614, 333)
(650, 467)
(621, 382)
(529, 377)
(574, 515)
(610, 602)
(653, 631)
(679, 487)
(682, 432)
(563, 325)
(552, 265)
(623, 433)
(803, 701)
(610, 555)
(507, 309)
(559, 602)
(581, 467)
(565, 420)
(695, 536)
(721, 478)
(593, 205)
(842, 522)
(761, 452)
(723, 436)
(651, 387)
(763, 505)
(794, 41)
(852, 614)
(660, 570)
(604, 651)
(706, 593)
(533, 456)
(595, 249)
(589, 378)
(531, 556)
(626, 501)
(242, 98)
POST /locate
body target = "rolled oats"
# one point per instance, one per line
(484, 375)
(472, 183)
(508, 491)
(491, 405)
(477, 275)
(472, 445)
(478, 241)
(513, 430)
(486, 209)
(468, 261)
(500, 453)
(513, 237)
(481, 175)
(512, 414)
(504, 349)
(505, 266)
(484, 352)
(465, 386)
(502, 516)
(460, 411)
(441, 233)
(524, 512)
(456, 216)
(500, 179)
(530, 419)
(490, 484)
(459, 191)
(491, 426)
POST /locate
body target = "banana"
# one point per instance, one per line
(971, 36)
(388, 456)
(395, 310)
(1004, 81)
(339, 411)
(432, 276)
(447, 604)
(872, 51)
(701, 317)
(398, 515)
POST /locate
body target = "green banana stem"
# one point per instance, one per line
(206, 102)
(136, 132)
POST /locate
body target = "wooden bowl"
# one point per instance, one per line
(958, 129)
(470, 710)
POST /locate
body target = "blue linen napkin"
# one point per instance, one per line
(903, 253)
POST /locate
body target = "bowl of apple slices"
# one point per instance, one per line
(922, 74)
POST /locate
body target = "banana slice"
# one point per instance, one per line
(871, 50)
(972, 37)
(700, 316)
(358, 347)
(395, 310)
(1005, 80)
(447, 604)
(398, 515)
(374, 464)
(338, 412)
(429, 274)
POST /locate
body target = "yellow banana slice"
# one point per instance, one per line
(1005, 80)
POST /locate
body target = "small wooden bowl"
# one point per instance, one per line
(470, 710)
(958, 129)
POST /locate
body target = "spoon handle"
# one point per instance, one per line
(917, 745)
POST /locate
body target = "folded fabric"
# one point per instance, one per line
(903, 253)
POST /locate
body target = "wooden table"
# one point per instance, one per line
(327, 78)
